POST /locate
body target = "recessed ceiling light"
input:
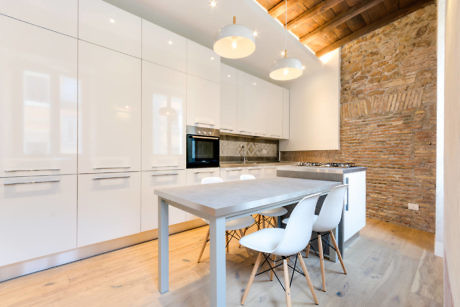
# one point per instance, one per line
(112, 20)
(212, 3)
(170, 42)
(253, 83)
(255, 33)
(229, 76)
(212, 58)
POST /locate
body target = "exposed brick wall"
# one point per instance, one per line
(388, 118)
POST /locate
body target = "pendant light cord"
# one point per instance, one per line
(286, 29)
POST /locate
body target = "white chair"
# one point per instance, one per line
(328, 219)
(272, 242)
(269, 216)
(234, 229)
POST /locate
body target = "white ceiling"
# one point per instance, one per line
(196, 20)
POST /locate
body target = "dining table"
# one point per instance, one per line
(220, 202)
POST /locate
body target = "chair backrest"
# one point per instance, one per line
(208, 180)
(331, 211)
(247, 177)
(299, 227)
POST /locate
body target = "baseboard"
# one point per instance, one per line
(46, 262)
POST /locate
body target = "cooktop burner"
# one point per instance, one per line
(327, 164)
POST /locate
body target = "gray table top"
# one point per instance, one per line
(235, 198)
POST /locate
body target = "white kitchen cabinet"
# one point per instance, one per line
(109, 110)
(163, 117)
(149, 210)
(38, 216)
(108, 206)
(269, 171)
(286, 115)
(232, 173)
(355, 204)
(273, 106)
(107, 25)
(38, 101)
(163, 47)
(229, 99)
(203, 105)
(194, 175)
(202, 62)
(257, 171)
(56, 15)
(248, 103)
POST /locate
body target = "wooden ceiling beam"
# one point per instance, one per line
(373, 26)
(279, 8)
(340, 19)
(315, 10)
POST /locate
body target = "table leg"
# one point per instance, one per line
(217, 265)
(163, 246)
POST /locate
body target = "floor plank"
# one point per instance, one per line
(388, 265)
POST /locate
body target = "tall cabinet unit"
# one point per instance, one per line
(229, 99)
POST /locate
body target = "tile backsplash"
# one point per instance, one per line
(233, 148)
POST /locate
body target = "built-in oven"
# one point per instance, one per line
(202, 147)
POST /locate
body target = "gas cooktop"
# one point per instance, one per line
(327, 164)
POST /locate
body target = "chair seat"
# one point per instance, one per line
(265, 240)
(239, 223)
(275, 212)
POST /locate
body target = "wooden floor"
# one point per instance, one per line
(388, 265)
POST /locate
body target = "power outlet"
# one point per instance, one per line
(412, 206)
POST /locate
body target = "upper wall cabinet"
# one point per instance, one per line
(38, 101)
(274, 110)
(203, 105)
(163, 47)
(56, 15)
(106, 25)
(249, 99)
(229, 99)
(109, 110)
(163, 117)
(286, 114)
(203, 62)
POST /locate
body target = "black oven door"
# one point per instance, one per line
(202, 151)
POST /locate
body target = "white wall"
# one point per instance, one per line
(315, 109)
(452, 153)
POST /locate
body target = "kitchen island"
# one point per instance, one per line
(222, 201)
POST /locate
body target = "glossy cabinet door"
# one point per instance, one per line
(163, 47)
(355, 204)
(163, 117)
(247, 103)
(194, 175)
(149, 209)
(202, 62)
(203, 105)
(286, 115)
(38, 101)
(108, 206)
(274, 111)
(57, 15)
(228, 99)
(109, 110)
(107, 25)
(38, 216)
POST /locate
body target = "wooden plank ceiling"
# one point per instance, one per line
(325, 25)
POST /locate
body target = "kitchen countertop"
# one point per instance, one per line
(317, 173)
(253, 164)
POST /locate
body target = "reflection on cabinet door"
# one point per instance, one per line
(163, 117)
(108, 206)
(228, 99)
(57, 15)
(107, 25)
(38, 101)
(202, 62)
(109, 110)
(163, 47)
(149, 211)
(37, 216)
(203, 105)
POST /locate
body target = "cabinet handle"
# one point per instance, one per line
(33, 170)
(111, 167)
(116, 177)
(254, 168)
(346, 205)
(175, 165)
(32, 182)
(165, 174)
(233, 169)
(275, 135)
(204, 123)
(227, 129)
(204, 172)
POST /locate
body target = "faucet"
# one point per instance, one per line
(244, 153)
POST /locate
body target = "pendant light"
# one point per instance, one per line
(286, 68)
(235, 41)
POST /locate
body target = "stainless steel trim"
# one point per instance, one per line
(205, 137)
(203, 131)
(42, 263)
(165, 174)
(111, 167)
(31, 182)
(205, 123)
(115, 177)
(33, 170)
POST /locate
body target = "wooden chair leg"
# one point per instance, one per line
(307, 251)
(275, 224)
(263, 221)
(273, 265)
(227, 241)
(321, 261)
(258, 221)
(204, 246)
(251, 278)
(338, 252)
(307, 277)
(287, 285)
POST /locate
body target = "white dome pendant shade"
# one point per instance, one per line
(286, 69)
(235, 41)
